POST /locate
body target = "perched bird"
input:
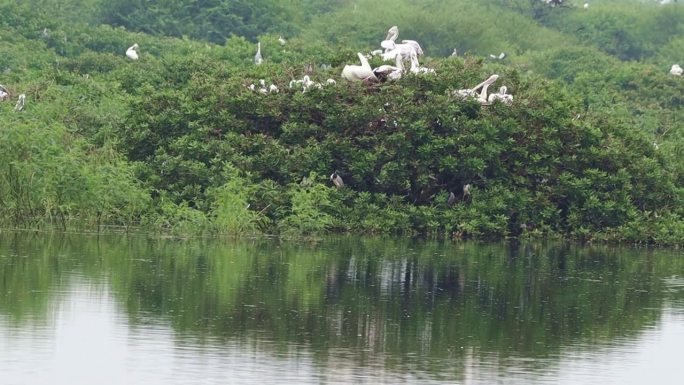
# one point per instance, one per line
(359, 72)
(501, 95)
(392, 33)
(452, 199)
(385, 71)
(132, 52)
(415, 46)
(337, 179)
(586, 5)
(258, 59)
(416, 68)
(281, 40)
(466, 190)
(676, 70)
(455, 53)
(21, 102)
(472, 92)
(4, 94)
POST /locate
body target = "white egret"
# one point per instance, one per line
(281, 40)
(472, 92)
(258, 59)
(4, 94)
(501, 95)
(586, 5)
(455, 53)
(273, 89)
(337, 180)
(361, 72)
(132, 52)
(21, 102)
(330, 81)
(466, 190)
(676, 70)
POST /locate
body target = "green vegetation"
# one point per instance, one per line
(176, 142)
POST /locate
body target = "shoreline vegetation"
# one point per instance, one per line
(176, 143)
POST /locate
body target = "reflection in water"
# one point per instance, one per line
(115, 309)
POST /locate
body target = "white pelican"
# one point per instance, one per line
(415, 46)
(4, 94)
(281, 40)
(258, 59)
(359, 72)
(501, 95)
(676, 70)
(392, 33)
(132, 52)
(472, 92)
(392, 50)
(385, 71)
(416, 68)
(337, 180)
(21, 102)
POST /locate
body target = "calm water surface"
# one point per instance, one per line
(80, 309)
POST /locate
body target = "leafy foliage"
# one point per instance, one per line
(177, 141)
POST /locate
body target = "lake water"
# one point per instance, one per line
(83, 309)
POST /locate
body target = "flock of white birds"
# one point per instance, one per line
(407, 50)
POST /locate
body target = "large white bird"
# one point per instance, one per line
(416, 68)
(132, 52)
(336, 179)
(415, 46)
(21, 102)
(361, 72)
(392, 33)
(258, 59)
(386, 71)
(392, 50)
(501, 95)
(281, 40)
(676, 70)
(482, 95)
(4, 94)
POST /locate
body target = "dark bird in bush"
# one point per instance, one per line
(337, 180)
(452, 199)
